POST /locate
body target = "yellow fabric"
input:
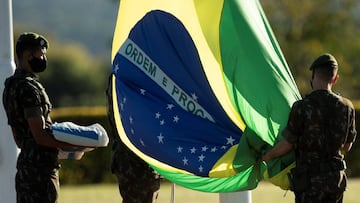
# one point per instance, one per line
(223, 167)
(281, 179)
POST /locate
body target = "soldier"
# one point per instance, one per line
(138, 182)
(27, 107)
(321, 128)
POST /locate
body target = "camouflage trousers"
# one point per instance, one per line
(138, 182)
(35, 185)
(325, 188)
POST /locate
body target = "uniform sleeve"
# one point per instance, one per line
(352, 128)
(294, 127)
(30, 100)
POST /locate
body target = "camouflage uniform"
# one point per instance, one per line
(318, 126)
(37, 166)
(138, 182)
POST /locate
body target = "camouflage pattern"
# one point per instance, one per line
(138, 182)
(37, 166)
(318, 126)
(34, 185)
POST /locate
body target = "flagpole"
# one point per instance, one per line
(172, 193)
(238, 197)
(8, 150)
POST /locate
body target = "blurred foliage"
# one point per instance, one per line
(74, 77)
(305, 29)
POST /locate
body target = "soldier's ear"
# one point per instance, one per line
(335, 78)
(26, 55)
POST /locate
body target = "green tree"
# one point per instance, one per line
(307, 28)
(74, 77)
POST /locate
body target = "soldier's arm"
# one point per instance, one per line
(351, 132)
(42, 136)
(280, 149)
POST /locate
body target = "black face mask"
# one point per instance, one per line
(38, 65)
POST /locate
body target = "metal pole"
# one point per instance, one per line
(172, 193)
(8, 149)
(238, 197)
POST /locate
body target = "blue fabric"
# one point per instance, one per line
(171, 122)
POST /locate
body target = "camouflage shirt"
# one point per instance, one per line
(25, 97)
(318, 126)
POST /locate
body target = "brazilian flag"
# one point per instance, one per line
(201, 90)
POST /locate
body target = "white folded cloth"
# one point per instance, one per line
(91, 136)
(73, 153)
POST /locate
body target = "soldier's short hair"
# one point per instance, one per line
(325, 66)
(29, 41)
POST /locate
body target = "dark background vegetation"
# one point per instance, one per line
(80, 35)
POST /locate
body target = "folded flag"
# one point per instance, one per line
(73, 153)
(91, 136)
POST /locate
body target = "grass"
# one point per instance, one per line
(265, 192)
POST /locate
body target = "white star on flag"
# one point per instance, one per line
(116, 68)
(170, 106)
(142, 91)
(230, 140)
(194, 97)
(160, 138)
(201, 157)
(142, 142)
(185, 161)
(162, 122)
(176, 119)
